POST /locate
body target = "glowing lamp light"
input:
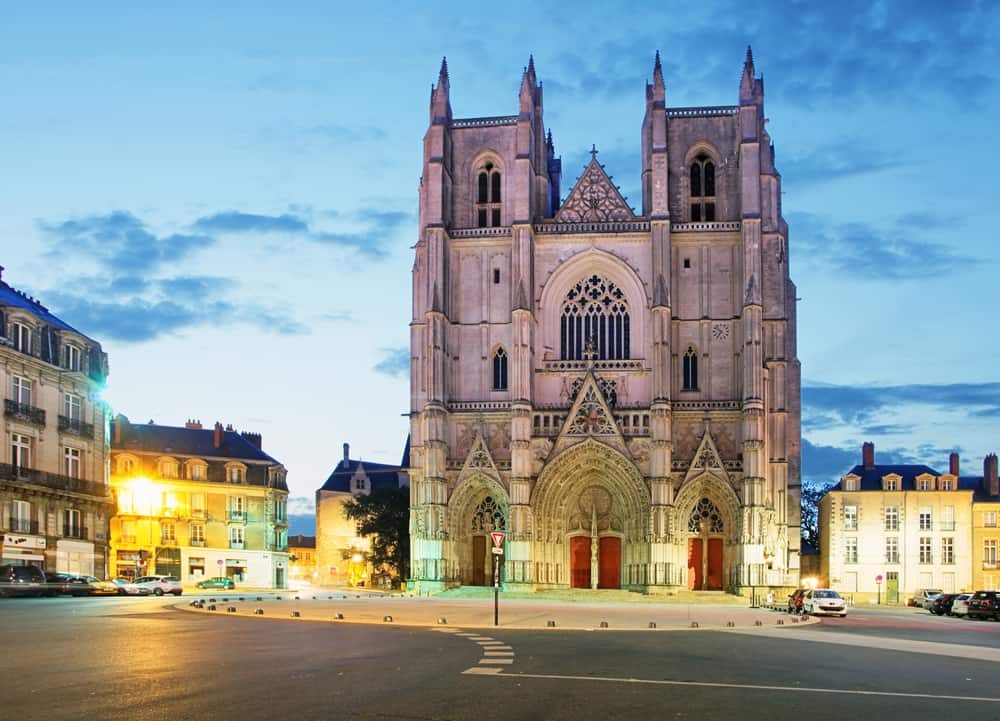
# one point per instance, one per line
(811, 582)
(144, 494)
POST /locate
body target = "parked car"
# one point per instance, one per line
(57, 583)
(960, 607)
(822, 601)
(941, 605)
(22, 581)
(921, 595)
(160, 585)
(985, 604)
(795, 600)
(91, 586)
(217, 582)
(126, 588)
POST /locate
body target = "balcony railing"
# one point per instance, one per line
(22, 525)
(79, 532)
(990, 565)
(197, 513)
(237, 515)
(128, 540)
(24, 412)
(55, 481)
(238, 545)
(75, 425)
(168, 541)
(195, 542)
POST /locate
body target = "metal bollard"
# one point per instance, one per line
(652, 624)
(604, 624)
(442, 621)
(259, 612)
(550, 624)
(296, 614)
(339, 617)
(231, 609)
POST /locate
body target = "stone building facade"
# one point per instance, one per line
(197, 503)
(54, 498)
(617, 392)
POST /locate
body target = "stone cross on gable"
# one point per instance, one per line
(593, 151)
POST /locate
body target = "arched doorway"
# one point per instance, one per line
(477, 506)
(706, 541)
(590, 508)
(488, 516)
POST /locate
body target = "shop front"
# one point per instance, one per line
(23, 550)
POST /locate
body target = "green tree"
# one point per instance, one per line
(384, 516)
(811, 495)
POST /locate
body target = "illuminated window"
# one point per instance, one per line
(197, 471)
(990, 552)
(197, 534)
(167, 532)
(947, 518)
(990, 519)
(198, 505)
(892, 518)
(168, 469)
(850, 518)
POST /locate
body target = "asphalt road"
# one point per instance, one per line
(140, 659)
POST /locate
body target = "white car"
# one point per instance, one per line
(127, 588)
(160, 585)
(960, 606)
(824, 601)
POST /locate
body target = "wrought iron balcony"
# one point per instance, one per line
(196, 542)
(127, 540)
(237, 516)
(75, 425)
(79, 532)
(990, 565)
(54, 481)
(22, 525)
(238, 545)
(24, 412)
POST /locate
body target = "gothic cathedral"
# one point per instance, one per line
(617, 393)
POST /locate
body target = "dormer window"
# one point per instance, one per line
(702, 189)
(850, 484)
(21, 337)
(235, 474)
(168, 468)
(947, 484)
(488, 184)
(924, 484)
(196, 471)
(71, 357)
(892, 484)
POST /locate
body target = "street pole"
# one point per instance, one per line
(496, 589)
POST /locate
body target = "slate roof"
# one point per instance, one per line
(380, 475)
(180, 441)
(13, 298)
(871, 479)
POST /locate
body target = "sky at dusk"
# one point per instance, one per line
(225, 196)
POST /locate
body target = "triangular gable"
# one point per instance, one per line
(706, 460)
(479, 460)
(594, 199)
(590, 414)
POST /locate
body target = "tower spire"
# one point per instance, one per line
(443, 75)
(747, 81)
(441, 94)
(659, 88)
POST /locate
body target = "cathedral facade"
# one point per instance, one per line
(617, 392)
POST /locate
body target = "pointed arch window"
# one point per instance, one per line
(488, 185)
(702, 189)
(705, 516)
(690, 380)
(488, 516)
(595, 317)
(500, 370)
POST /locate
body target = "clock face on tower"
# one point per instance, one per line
(720, 331)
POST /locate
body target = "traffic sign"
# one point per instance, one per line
(878, 578)
(497, 551)
(497, 537)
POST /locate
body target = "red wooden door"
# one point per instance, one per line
(579, 562)
(610, 560)
(479, 560)
(714, 564)
(694, 564)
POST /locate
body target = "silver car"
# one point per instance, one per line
(160, 585)
(127, 588)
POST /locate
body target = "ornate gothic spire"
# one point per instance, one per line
(659, 87)
(746, 82)
(441, 94)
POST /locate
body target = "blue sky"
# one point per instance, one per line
(226, 197)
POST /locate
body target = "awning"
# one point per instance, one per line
(14, 554)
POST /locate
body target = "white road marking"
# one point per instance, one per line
(753, 687)
(508, 654)
(480, 638)
(490, 643)
(482, 670)
(504, 661)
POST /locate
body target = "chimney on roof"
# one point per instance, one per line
(193, 424)
(953, 464)
(991, 483)
(868, 454)
(218, 435)
(116, 430)
(347, 452)
(253, 438)
(1, 272)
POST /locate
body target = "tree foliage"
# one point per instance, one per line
(384, 516)
(811, 495)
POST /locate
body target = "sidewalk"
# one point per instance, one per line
(516, 613)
